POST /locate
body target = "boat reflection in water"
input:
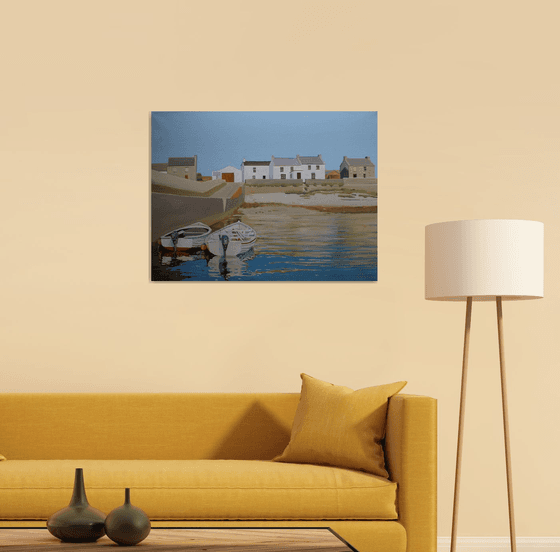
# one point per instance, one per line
(226, 267)
(169, 259)
(217, 267)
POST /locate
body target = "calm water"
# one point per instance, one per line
(293, 244)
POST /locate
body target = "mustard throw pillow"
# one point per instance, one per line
(2, 458)
(340, 427)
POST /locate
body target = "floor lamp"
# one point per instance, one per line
(484, 260)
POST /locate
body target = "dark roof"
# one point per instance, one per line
(311, 160)
(181, 161)
(279, 161)
(258, 163)
(359, 161)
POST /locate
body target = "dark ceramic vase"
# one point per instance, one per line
(127, 525)
(78, 522)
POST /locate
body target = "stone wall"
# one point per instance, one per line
(366, 184)
(280, 182)
(362, 180)
(333, 182)
(170, 211)
(169, 184)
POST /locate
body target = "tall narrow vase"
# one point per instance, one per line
(78, 522)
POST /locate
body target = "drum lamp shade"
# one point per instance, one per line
(484, 259)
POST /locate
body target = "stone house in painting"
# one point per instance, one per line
(254, 170)
(184, 167)
(357, 167)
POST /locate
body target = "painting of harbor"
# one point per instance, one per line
(264, 196)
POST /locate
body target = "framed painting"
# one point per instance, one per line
(264, 196)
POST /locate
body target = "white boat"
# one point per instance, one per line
(235, 239)
(187, 237)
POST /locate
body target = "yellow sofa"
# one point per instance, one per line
(204, 460)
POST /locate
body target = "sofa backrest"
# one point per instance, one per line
(159, 426)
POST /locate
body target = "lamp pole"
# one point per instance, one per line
(461, 424)
(506, 423)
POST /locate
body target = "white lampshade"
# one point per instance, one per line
(484, 259)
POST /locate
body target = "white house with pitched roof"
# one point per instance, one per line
(285, 168)
(229, 174)
(297, 168)
(313, 167)
(255, 170)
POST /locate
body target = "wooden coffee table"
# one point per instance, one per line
(191, 539)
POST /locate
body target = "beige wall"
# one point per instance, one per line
(469, 123)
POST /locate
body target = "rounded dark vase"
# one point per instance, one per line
(127, 525)
(78, 522)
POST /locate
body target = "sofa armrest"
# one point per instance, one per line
(411, 458)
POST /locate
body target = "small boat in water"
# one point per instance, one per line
(188, 237)
(232, 240)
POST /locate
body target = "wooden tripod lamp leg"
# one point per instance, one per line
(506, 424)
(461, 424)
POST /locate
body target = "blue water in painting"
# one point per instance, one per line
(293, 244)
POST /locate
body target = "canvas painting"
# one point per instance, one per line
(264, 196)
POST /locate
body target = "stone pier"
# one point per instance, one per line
(178, 202)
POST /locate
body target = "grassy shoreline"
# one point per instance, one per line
(323, 208)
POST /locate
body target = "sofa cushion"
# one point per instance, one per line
(198, 489)
(337, 426)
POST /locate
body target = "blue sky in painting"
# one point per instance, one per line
(222, 138)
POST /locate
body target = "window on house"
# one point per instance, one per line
(292, 169)
(281, 169)
(254, 177)
(283, 176)
(364, 176)
(317, 167)
(254, 169)
(264, 177)
(308, 167)
(313, 175)
(355, 175)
